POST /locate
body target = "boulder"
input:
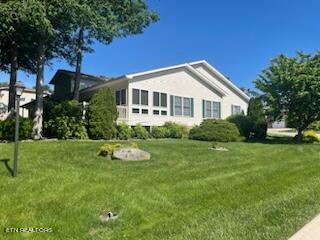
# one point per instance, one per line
(130, 154)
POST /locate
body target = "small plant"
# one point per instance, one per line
(310, 137)
(176, 130)
(140, 132)
(106, 150)
(124, 131)
(160, 132)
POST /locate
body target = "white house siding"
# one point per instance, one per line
(177, 82)
(231, 98)
(26, 97)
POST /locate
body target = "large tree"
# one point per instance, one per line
(52, 33)
(16, 49)
(104, 20)
(291, 87)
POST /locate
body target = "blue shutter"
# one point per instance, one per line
(219, 110)
(171, 105)
(192, 107)
(203, 109)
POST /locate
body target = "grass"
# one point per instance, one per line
(254, 191)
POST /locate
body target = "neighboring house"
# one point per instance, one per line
(186, 94)
(27, 96)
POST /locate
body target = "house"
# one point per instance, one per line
(186, 93)
(28, 96)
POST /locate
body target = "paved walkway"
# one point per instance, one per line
(311, 231)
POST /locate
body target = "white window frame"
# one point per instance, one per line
(182, 106)
(233, 107)
(212, 103)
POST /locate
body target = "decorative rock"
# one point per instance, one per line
(130, 154)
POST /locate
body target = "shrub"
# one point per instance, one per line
(63, 120)
(315, 126)
(7, 128)
(108, 148)
(215, 130)
(244, 124)
(249, 127)
(124, 131)
(176, 130)
(102, 114)
(66, 127)
(310, 137)
(160, 132)
(140, 132)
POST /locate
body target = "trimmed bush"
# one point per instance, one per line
(140, 132)
(310, 137)
(215, 130)
(63, 120)
(248, 127)
(160, 132)
(7, 128)
(102, 115)
(244, 124)
(176, 130)
(66, 127)
(124, 131)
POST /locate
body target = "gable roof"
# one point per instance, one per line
(187, 66)
(61, 73)
(221, 77)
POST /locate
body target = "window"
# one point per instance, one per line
(235, 109)
(208, 110)
(159, 99)
(178, 106)
(135, 96)
(164, 113)
(144, 111)
(144, 97)
(163, 100)
(211, 109)
(156, 99)
(121, 97)
(156, 112)
(216, 110)
(135, 110)
(187, 107)
(118, 96)
(181, 106)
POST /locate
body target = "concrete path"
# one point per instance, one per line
(311, 231)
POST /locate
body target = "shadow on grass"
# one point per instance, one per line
(5, 162)
(276, 140)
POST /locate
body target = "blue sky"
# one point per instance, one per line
(238, 37)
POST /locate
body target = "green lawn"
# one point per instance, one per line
(254, 191)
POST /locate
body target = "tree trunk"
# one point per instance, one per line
(77, 78)
(38, 115)
(13, 77)
(299, 136)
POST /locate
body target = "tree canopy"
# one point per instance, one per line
(291, 88)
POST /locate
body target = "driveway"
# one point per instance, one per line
(284, 132)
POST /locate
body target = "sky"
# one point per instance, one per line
(239, 38)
